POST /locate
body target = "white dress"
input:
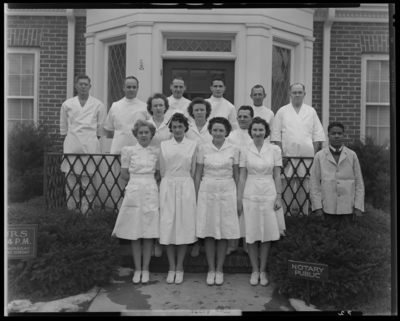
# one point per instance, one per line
(201, 137)
(177, 193)
(139, 216)
(261, 221)
(216, 205)
(162, 133)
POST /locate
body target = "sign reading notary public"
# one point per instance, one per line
(22, 241)
(308, 271)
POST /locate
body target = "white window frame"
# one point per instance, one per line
(365, 58)
(36, 52)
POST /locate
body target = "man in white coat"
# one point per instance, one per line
(258, 95)
(81, 120)
(121, 118)
(241, 137)
(177, 103)
(297, 130)
(220, 107)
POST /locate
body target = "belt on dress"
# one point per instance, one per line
(218, 178)
(177, 174)
(258, 176)
(141, 175)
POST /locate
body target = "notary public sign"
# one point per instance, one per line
(22, 241)
(308, 271)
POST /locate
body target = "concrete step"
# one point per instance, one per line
(236, 262)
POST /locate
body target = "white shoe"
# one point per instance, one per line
(196, 250)
(136, 277)
(145, 276)
(228, 251)
(210, 278)
(157, 250)
(254, 278)
(219, 278)
(263, 279)
(171, 277)
(178, 277)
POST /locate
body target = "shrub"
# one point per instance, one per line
(375, 166)
(27, 143)
(358, 258)
(74, 253)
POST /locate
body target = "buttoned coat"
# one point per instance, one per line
(337, 188)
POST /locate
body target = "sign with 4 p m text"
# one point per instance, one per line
(308, 271)
(22, 241)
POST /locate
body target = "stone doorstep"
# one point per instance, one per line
(237, 262)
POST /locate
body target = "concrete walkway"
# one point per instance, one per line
(158, 297)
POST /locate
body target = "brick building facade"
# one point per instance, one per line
(354, 41)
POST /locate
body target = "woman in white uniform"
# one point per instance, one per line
(217, 217)
(259, 195)
(199, 109)
(157, 106)
(177, 195)
(139, 216)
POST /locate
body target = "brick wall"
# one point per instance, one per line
(349, 41)
(80, 47)
(317, 68)
(50, 34)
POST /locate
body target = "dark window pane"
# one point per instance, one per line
(280, 77)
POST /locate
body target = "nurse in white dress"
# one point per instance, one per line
(157, 106)
(122, 116)
(217, 217)
(177, 195)
(259, 195)
(199, 110)
(139, 216)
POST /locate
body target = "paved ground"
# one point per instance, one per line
(236, 294)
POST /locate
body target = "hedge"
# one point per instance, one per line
(74, 253)
(358, 257)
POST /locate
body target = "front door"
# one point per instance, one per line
(198, 75)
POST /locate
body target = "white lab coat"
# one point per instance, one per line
(220, 107)
(265, 113)
(297, 132)
(240, 137)
(121, 118)
(177, 106)
(82, 125)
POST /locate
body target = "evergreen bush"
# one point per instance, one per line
(358, 258)
(27, 143)
(375, 166)
(74, 253)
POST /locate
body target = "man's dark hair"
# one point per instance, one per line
(249, 108)
(335, 124)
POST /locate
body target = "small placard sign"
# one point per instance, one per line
(308, 271)
(22, 241)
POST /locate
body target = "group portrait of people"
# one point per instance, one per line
(205, 173)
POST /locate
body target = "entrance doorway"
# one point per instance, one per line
(198, 75)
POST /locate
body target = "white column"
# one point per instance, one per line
(90, 54)
(326, 61)
(138, 56)
(71, 53)
(308, 68)
(258, 59)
